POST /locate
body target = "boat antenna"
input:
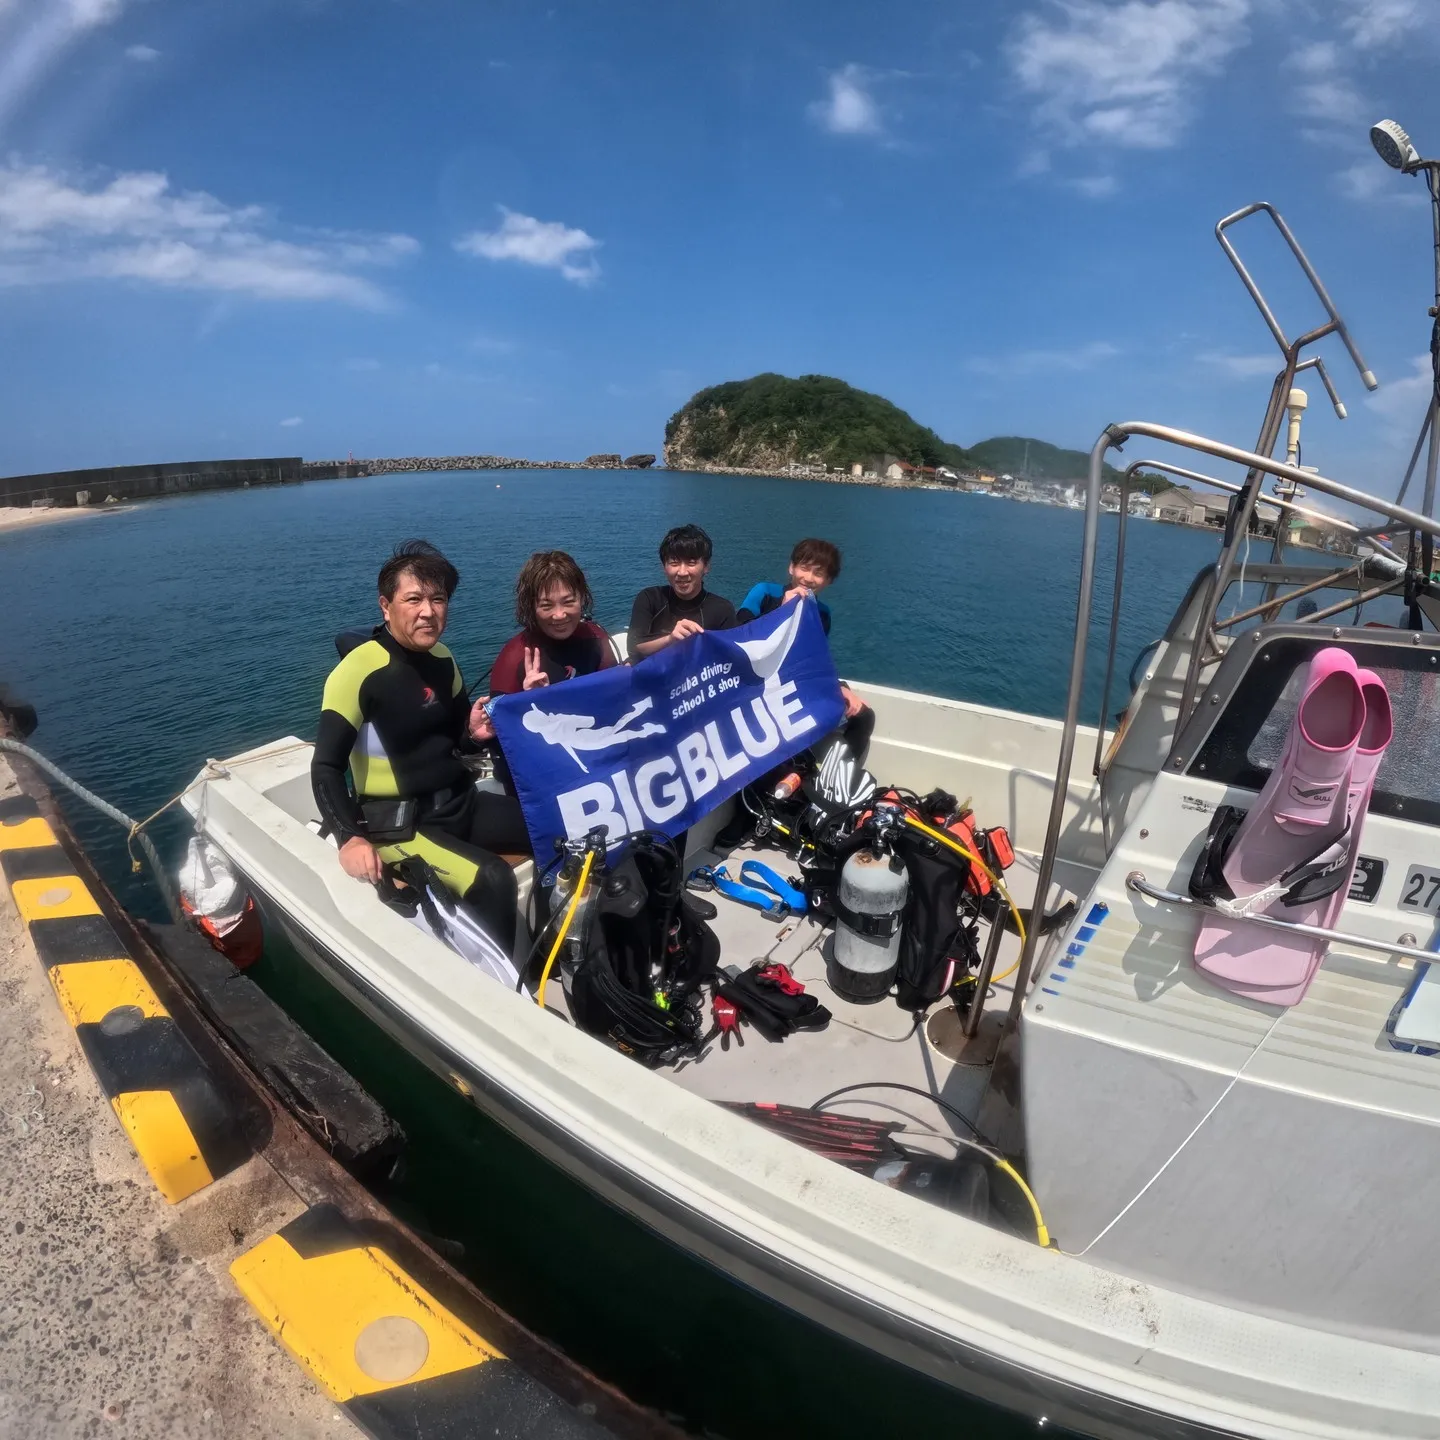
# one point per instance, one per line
(1393, 145)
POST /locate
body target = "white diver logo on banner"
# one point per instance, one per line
(659, 744)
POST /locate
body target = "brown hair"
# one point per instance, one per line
(424, 562)
(820, 554)
(543, 571)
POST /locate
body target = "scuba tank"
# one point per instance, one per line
(870, 902)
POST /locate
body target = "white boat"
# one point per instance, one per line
(1237, 1195)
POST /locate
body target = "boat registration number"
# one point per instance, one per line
(1421, 890)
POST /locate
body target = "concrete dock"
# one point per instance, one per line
(117, 1314)
(179, 1254)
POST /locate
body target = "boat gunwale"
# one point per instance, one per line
(1064, 1370)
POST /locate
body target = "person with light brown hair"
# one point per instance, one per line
(557, 640)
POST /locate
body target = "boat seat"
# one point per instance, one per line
(513, 858)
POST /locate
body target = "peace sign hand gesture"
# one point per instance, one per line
(535, 676)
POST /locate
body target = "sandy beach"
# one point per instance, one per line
(16, 517)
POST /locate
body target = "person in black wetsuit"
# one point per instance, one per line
(556, 642)
(665, 614)
(394, 713)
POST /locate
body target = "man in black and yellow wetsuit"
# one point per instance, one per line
(395, 712)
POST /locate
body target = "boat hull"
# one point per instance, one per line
(969, 1370)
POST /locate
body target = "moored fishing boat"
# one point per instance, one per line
(1200, 1160)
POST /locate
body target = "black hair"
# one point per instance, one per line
(820, 554)
(424, 561)
(686, 542)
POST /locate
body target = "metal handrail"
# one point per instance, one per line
(1187, 440)
(1335, 325)
(1241, 511)
(1117, 435)
(1135, 881)
(1230, 487)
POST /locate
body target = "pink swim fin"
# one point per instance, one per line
(1289, 851)
(1374, 739)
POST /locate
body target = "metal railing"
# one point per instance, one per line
(1114, 436)
(1137, 884)
(1127, 488)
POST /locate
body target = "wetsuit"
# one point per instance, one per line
(395, 717)
(585, 652)
(767, 596)
(658, 608)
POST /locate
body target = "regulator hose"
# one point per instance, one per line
(1042, 1231)
(564, 927)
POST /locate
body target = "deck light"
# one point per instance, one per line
(1393, 145)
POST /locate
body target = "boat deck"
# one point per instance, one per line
(876, 1041)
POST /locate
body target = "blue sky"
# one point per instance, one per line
(450, 226)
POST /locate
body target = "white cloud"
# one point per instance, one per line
(1370, 180)
(143, 53)
(1094, 187)
(1036, 162)
(850, 108)
(1324, 94)
(1122, 74)
(1333, 104)
(1242, 367)
(291, 422)
(1035, 362)
(1376, 23)
(546, 243)
(34, 34)
(1402, 402)
(361, 364)
(54, 228)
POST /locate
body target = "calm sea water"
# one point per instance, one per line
(197, 627)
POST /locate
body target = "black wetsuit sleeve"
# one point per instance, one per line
(338, 807)
(460, 707)
(642, 617)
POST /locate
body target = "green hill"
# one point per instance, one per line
(770, 421)
(1034, 459)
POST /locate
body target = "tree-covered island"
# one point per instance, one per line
(773, 423)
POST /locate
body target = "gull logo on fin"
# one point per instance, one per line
(1316, 793)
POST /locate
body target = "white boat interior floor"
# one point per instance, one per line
(877, 1041)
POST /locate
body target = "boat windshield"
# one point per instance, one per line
(1248, 737)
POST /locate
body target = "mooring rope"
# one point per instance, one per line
(134, 830)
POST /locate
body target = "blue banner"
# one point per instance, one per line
(659, 744)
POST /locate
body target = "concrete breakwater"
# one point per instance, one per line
(353, 469)
(146, 482)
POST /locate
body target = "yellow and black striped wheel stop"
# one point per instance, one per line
(165, 1098)
(378, 1343)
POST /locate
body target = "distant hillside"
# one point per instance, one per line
(770, 421)
(1037, 460)
(1034, 459)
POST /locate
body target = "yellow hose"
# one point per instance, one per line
(564, 927)
(1042, 1233)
